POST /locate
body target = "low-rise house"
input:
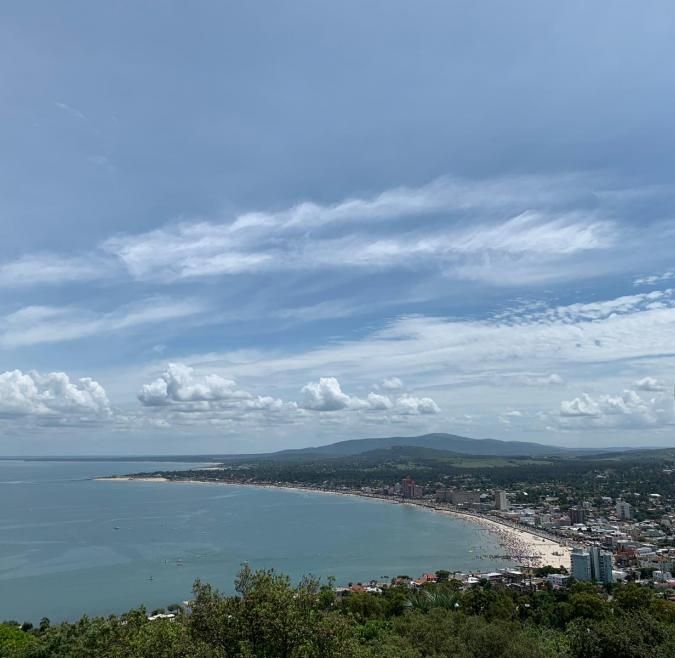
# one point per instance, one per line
(558, 580)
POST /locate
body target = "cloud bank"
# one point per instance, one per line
(327, 395)
(51, 396)
(625, 411)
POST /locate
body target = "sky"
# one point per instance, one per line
(248, 226)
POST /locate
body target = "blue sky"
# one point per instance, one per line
(247, 226)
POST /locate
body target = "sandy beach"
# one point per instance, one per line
(520, 544)
(126, 478)
(524, 547)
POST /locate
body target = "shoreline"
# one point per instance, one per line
(522, 545)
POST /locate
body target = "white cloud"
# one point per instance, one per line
(69, 109)
(182, 397)
(583, 406)
(536, 236)
(507, 418)
(654, 279)
(502, 231)
(52, 395)
(327, 395)
(411, 405)
(181, 389)
(541, 380)
(392, 384)
(34, 325)
(52, 269)
(628, 410)
(379, 402)
(650, 384)
(529, 347)
(530, 341)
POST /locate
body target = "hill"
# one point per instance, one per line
(443, 442)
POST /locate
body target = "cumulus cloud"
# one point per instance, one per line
(392, 384)
(180, 388)
(181, 396)
(627, 410)
(650, 384)
(51, 395)
(411, 405)
(379, 402)
(327, 395)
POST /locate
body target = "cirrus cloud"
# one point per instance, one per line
(522, 229)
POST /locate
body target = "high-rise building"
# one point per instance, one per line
(578, 515)
(605, 573)
(581, 564)
(501, 501)
(592, 564)
(624, 510)
(408, 487)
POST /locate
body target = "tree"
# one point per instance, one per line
(270, 618)
(633, 597)
(619, 636)
(588, 606)
(14, 642)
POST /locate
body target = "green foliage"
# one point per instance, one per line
(14, 641)
(636, 472)
(633, 597)
(270, 617)
(587, 605)
(542, 572)
(635, 635)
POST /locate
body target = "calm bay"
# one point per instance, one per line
(72, 545)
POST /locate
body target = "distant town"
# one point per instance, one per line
(609, 544)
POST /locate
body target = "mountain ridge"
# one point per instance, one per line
(438, 441)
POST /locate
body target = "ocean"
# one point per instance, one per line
(71, 545)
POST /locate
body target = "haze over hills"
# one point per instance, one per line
(436, 442)
(439, 441)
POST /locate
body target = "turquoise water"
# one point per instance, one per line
(70, 545)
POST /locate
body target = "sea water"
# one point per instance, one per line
(73, 545)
